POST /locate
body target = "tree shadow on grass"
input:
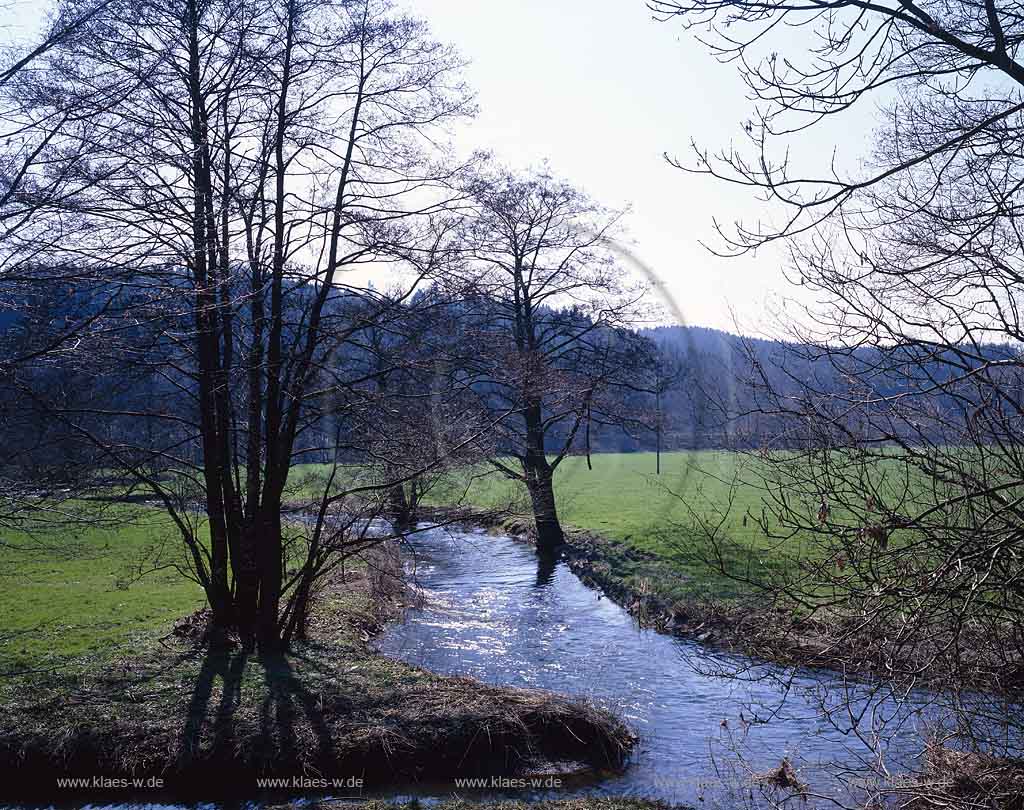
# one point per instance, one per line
(229, 668)
(281, 705)
(285, 693)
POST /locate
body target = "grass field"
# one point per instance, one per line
(621, 497)
(670, 515)
(77, 590)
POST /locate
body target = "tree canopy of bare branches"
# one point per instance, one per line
(547, 347)
(900, 466)
(222, 170)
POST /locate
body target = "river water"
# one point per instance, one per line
(494, 612)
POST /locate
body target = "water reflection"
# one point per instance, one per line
(547, 562)
(497, 612)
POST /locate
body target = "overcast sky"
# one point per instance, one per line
(602, 90)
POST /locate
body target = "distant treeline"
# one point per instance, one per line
(704, 388)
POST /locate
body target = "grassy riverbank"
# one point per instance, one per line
(146, 701)
(648, 516)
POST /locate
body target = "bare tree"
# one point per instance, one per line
(408, 420)
(240, 160)
(546, 337)
(897, 460)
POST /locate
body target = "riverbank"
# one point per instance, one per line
(767, 628)
(643, 584)
(188, 720)
(648, 586)
(621, 497)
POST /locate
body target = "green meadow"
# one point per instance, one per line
(621, 496)
(88, 589)
(671, 515)
(82, 589)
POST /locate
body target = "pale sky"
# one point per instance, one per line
(601, 90)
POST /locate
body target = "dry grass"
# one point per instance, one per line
(961, 780)
(214, 719)
(783, 777)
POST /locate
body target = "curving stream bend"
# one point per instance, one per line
(493, 611)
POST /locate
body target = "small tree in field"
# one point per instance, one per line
(545, 337)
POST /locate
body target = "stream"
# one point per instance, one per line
(494, 612)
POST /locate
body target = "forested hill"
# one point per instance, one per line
(706, 386)
(727, 383)
(699, 407)
(701, 338)
(719, 389)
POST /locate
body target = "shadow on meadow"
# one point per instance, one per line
(212, 721)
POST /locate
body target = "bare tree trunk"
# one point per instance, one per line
(401, 509)
(270, 561)
(545, 513)
(207, 327)
(539, 483)
(247, 587)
